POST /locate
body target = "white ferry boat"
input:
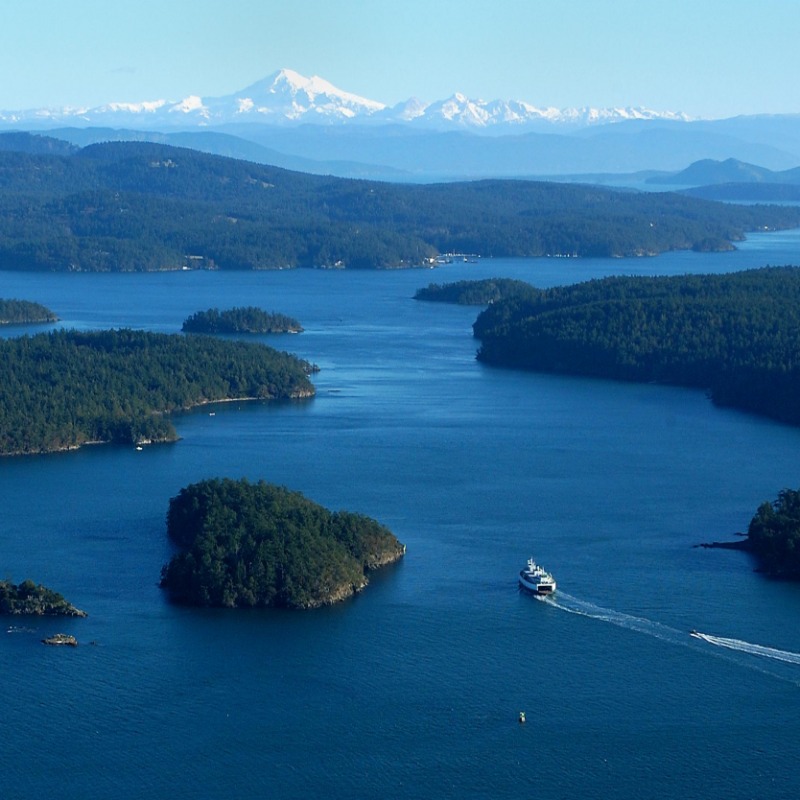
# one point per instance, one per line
(536, 579)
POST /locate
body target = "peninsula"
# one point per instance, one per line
(259, 545)
(734, 335)
(773, 535)
(64, 389)
(32, 598)
(245, 319)
(22, 312)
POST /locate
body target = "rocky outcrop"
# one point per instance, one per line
(35, 599)
(60, 639)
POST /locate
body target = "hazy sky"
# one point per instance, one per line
(710, 58)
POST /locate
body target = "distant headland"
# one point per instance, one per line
(773, 536)
(23, 312)
(34, 599)
(67, 388)
(734, 335)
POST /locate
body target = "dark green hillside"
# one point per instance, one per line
(473, 293)
(774, 535)
(749, 192)
(254, 544)
(145, 206)
(18, 312)
(247, 319)
(64, 389)
(736, 335)
(23, 142)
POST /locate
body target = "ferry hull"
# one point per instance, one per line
(537, 587)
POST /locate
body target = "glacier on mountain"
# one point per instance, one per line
(287, 97)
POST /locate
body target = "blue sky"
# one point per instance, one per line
(709, 58)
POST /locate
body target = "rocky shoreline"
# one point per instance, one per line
(745, 545)
(742, 544)
(61, 640)
(32, 599)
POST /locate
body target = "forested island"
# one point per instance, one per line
(249, 544)
(32, 598)
(773, 535)
(130, 206)
(242, 319)
(21, 312)
(474, 293)
(63, 389)
(735, 335)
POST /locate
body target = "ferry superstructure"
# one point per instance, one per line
(536, 579)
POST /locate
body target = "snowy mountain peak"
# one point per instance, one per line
(294, 94)
(287, 97)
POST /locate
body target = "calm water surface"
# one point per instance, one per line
(412, 690)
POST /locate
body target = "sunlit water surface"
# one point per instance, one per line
(412, 690)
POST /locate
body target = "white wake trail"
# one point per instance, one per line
(748, 647)
(574, 605)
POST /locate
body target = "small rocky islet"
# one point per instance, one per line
(61, 640)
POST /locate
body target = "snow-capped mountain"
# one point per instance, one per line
(286, 97)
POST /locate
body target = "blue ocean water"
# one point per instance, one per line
(412, 689)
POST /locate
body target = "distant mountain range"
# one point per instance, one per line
(286, 97)
(309, 125)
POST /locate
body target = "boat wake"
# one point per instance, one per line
(573, 605)
(734, 650)
(748, 647)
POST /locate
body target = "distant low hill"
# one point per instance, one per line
(218, 143)
(624, 147)
(23, 142)
(708, 171)
(128, 206)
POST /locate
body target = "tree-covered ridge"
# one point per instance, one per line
(31, 598)
(473, 293)
(256, 545)
(242, 319)
(774, 534)
(736, 335)
(125, 206)
(748, 192)
(63, 389)
(17, 312)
